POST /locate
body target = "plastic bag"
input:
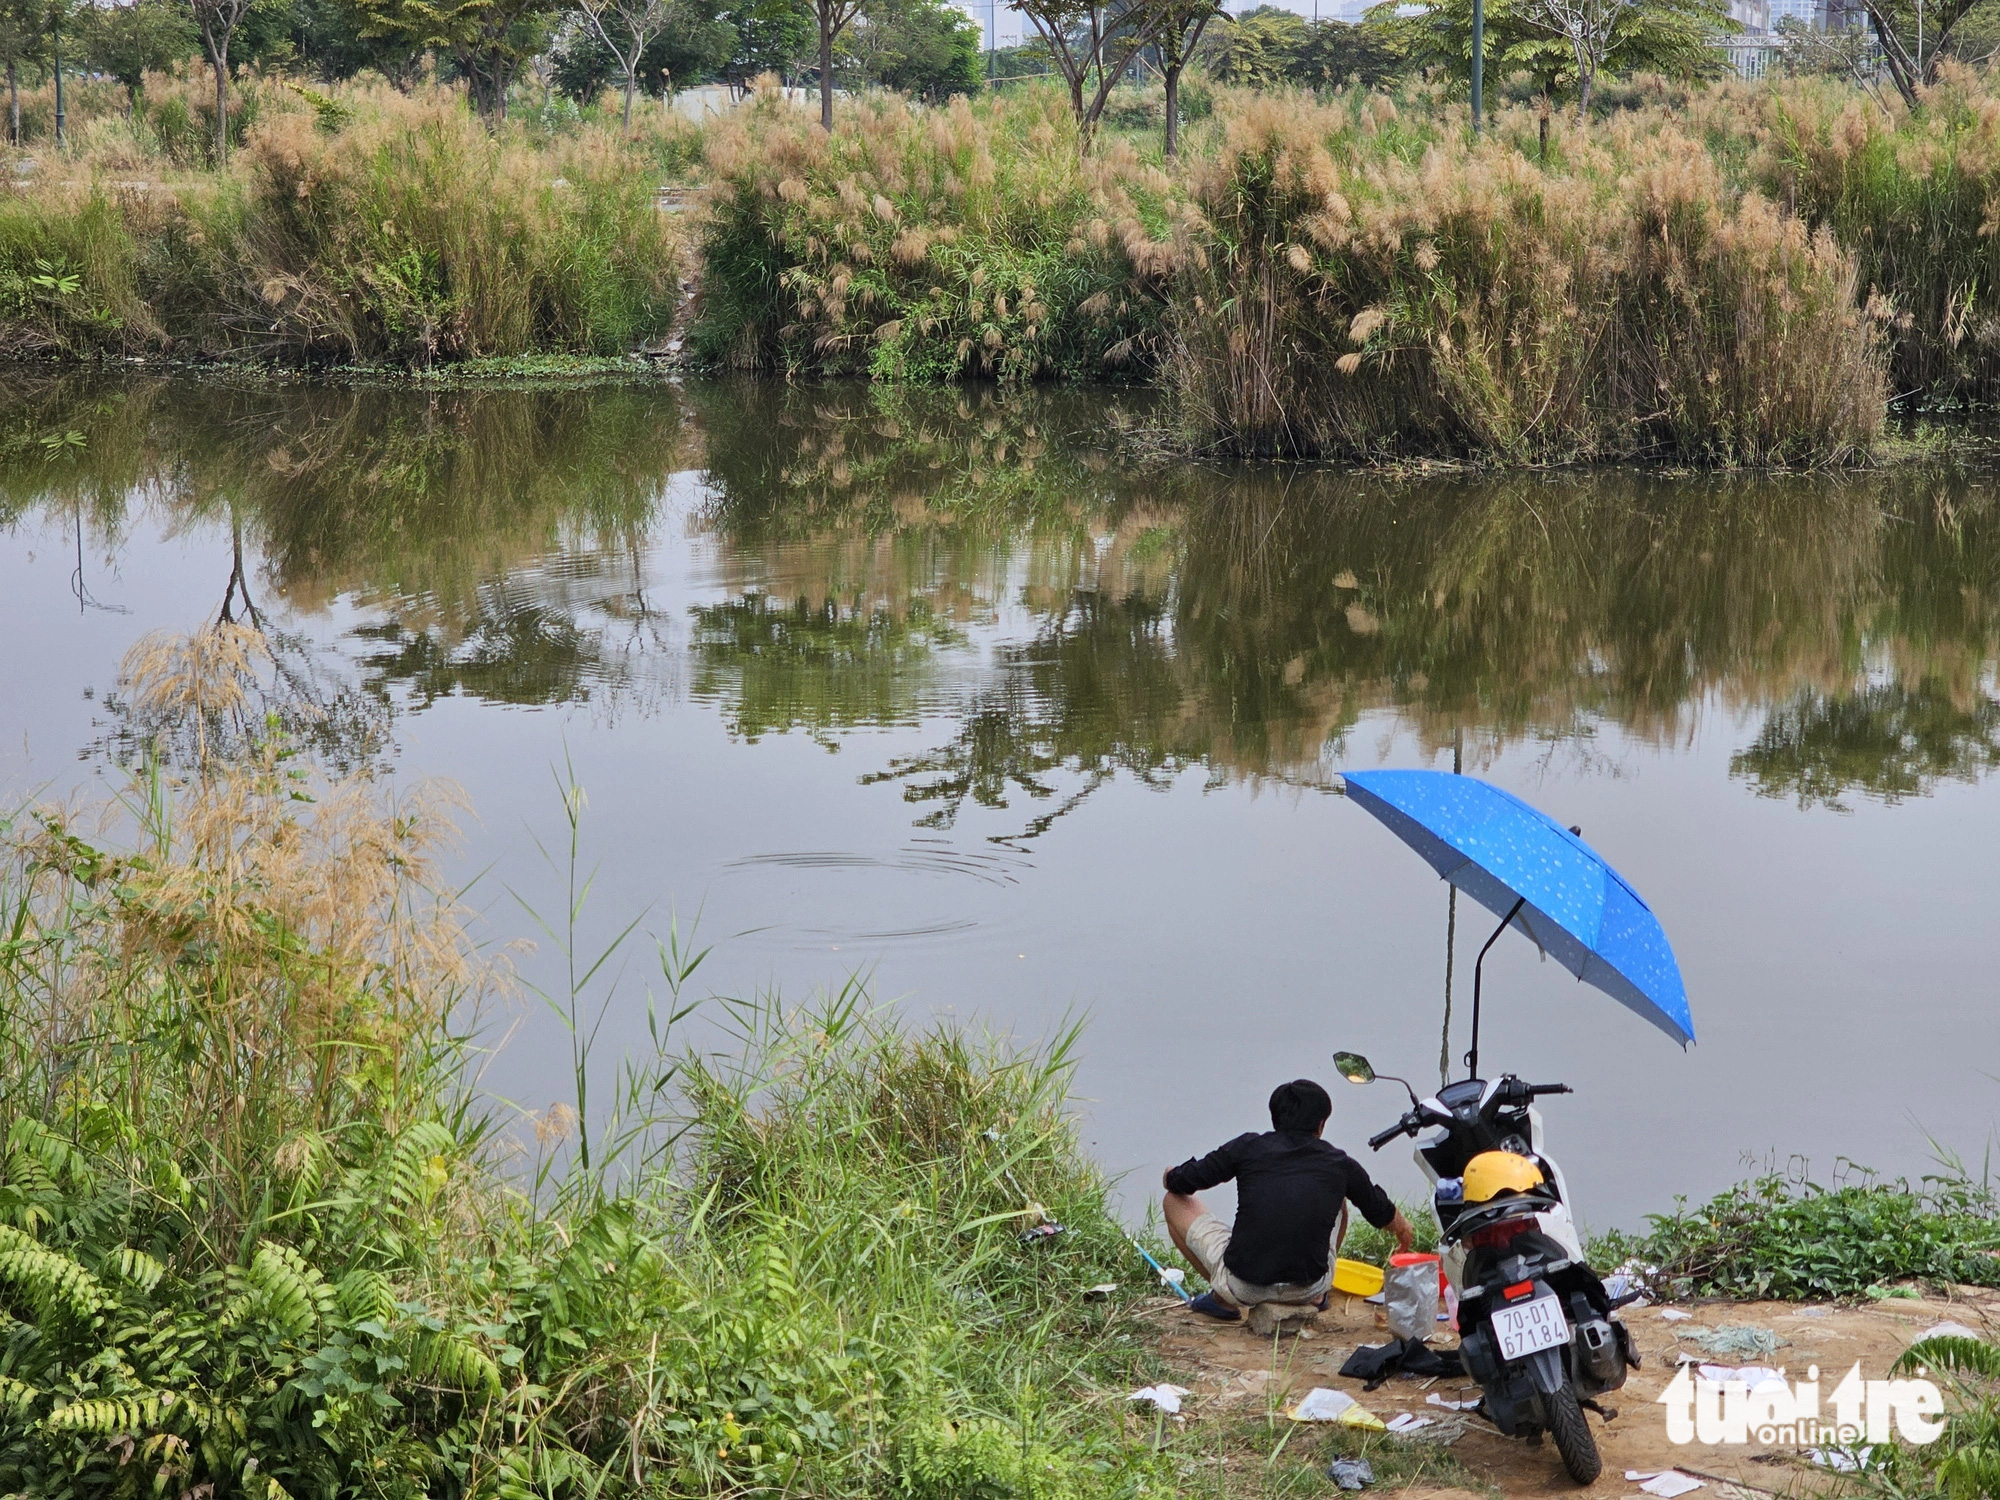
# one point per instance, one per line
(1410, 1296)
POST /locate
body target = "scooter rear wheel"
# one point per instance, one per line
(1572, 1434)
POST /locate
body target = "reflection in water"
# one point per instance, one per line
(818, 665)
(999, 572)
(1060, 679)
(1885, 741)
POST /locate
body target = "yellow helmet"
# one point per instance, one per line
(1492, 1173)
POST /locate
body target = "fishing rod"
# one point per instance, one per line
(1171, 1278)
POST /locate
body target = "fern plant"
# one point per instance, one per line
(1965, 1462)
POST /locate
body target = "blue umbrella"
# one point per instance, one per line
(1533, 873)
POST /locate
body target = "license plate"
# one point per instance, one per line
(1528, 1326)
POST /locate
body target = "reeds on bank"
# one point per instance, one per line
(1363, 284)
(261, 1235)
(931, 244)
(1742, 274)
(376, 228)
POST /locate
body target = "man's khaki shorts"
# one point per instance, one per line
(1208, 1238)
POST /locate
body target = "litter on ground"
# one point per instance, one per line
(1322, 1405)
(1351, 1473)
(1408, 1421)
(1666, 1484)
(1840, 1460)
(1434, 1399)
(1752, 1376)
(1736, 1341)
(1166, 1397)
(1674, 1315)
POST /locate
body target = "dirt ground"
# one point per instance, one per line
(1232, 1372)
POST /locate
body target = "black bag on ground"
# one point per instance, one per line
(1376, 1363)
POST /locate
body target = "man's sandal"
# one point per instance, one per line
(1211, 1306)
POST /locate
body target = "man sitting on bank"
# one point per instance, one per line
(1291, 1187)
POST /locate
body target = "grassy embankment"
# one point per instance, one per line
(359, 227)
(257, 1232)
(1740, 274)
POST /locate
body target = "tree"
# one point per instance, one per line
(928, 49)
(128, 41)
(1333, 52)
(1092, 43)
(1268, 45)
(772, 36)
(487, 40)
(1586, 28)
(24, 41)
(1256, 49)
(1675, 38)
(697, 45)
(625, 27)
(832, 18)
(327, 39)
(1181, 25)
(217, 21)
(1913, 37)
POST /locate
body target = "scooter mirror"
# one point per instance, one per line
(1354, 1067)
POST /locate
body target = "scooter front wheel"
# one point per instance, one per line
(1572, 1435)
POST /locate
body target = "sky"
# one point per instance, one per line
(1003, 25)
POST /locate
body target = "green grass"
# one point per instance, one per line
(1771, 1238)
(258, 1231)
(1964, 1462)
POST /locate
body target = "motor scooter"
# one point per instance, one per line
(1536, 1328)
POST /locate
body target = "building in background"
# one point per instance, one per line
(1755, 16)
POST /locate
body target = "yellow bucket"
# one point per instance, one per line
(1356, 1277)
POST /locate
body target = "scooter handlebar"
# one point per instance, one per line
(1401, 1127)
(1536, 1090)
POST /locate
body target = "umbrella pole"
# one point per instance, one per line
(1472, 1057)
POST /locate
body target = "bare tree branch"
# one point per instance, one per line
(1093, 42)
(1587, 26)
(640, 21)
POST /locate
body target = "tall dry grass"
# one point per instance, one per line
(1365, 281)
(371, 227)
(413, 235)
(1911, 193)
(259, 1235)
(931, 244)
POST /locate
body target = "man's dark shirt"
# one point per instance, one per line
(1289, 1188)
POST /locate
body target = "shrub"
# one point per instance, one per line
(1771, 1238)
(365, 228)
(257, 1235)
(967, 240)
(1363, 283)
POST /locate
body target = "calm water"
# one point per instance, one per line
(939, 689)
